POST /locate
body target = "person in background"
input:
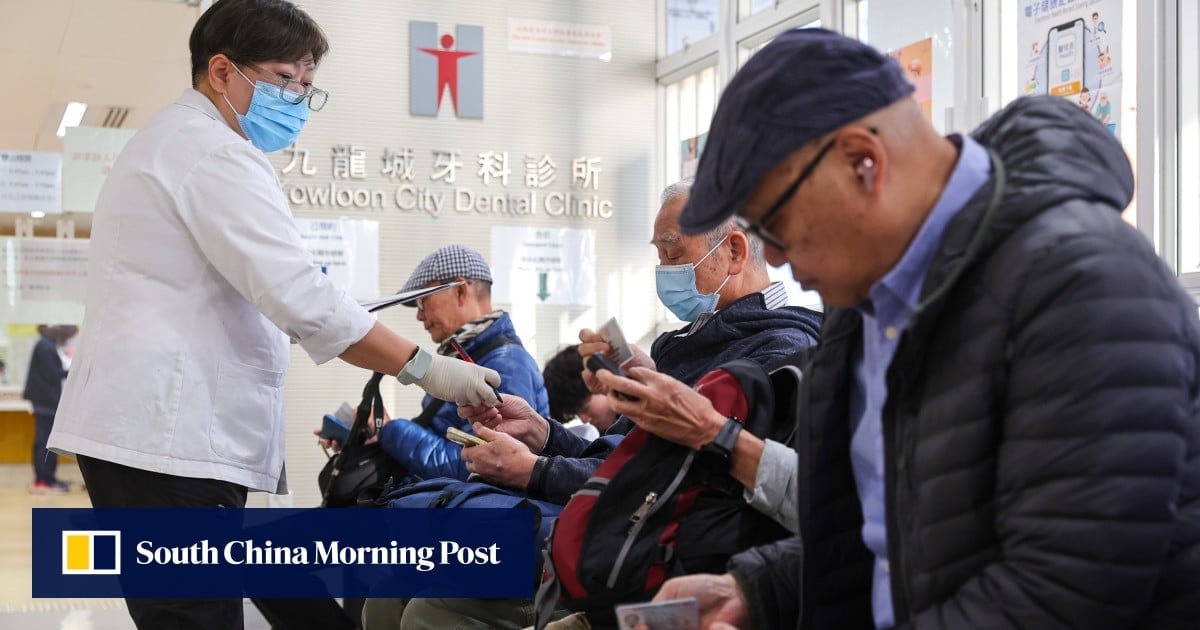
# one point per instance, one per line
(463, 323)
(197, 280)
(1000, 426)
(48, 365)
(570, 396)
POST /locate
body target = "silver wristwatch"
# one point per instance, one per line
(416, 368)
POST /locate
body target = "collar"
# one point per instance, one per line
(774, 296)
(899, 290)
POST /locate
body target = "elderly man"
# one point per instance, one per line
(464, 325)
(734, 311)
(1001, 419)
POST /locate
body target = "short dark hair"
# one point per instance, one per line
(249, 31)
(563, 375)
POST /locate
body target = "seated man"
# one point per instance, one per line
(460, 320)
(741, 314)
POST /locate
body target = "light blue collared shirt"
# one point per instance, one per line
(886, 315)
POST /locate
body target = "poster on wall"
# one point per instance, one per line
(347, 251)
(689, 155)
(30, 181)
(544, 266)
(88, 156)
(917, 61)
(44, 269)
(1072, 49)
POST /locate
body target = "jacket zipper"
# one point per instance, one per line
(648, 507)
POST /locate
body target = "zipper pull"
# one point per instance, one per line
(640, 513)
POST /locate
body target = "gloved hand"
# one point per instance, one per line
(460, 382)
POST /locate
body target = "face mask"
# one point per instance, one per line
(270, 123)
(677, 289)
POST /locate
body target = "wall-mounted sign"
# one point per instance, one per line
(30, 181)
(1072, 49)
(543, 37)
(88, 156)
(347, 251)
(544, 266)
(446, 63)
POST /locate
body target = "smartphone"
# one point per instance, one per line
(598, 362)
(464, 439)
(677, 614)
(1065, 55)
(334, 429)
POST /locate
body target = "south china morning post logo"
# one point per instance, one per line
(87, 552)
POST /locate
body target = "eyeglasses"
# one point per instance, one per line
(295, 92)
(759, 227)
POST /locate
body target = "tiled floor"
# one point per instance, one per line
(20, 611)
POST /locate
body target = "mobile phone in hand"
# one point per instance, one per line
(334, 429)
(598, 362)
(464, 439)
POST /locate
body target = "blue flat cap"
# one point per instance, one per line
(802, 85)
(448, 263)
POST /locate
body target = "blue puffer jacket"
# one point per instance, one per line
(426, 452)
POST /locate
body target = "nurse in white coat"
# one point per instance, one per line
(197, 280)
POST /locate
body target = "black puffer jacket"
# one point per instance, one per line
(1041, 433)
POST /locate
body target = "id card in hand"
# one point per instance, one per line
(612, 335)
(673, 614)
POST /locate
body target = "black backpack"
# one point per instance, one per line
(653, 511)
(359, 472)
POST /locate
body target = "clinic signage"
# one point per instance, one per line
(445, 181)
(445, 69)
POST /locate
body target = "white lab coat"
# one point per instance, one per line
(197, 278)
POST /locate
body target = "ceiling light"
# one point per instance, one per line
(37, 214)
(71, 117)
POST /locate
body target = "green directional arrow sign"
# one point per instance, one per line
(542, 292)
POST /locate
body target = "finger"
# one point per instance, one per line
(486, 433)
(587, 335)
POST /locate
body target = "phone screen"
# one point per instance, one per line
(1064, 52)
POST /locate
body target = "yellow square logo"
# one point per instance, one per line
(91, 552)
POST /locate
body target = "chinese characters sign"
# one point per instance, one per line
(30, 182)
(1072, 49)
(544, 265)
(444, 180)
(88, 156)
(347, 250)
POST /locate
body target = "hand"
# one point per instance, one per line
(722, 604)
(590, 342)
(512, 415)
(503, 460)
(458, 381)
(664, 406)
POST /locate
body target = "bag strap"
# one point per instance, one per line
(371, 406)
(425, 418)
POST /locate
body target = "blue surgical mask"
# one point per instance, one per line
(270, 123)
(676, 286)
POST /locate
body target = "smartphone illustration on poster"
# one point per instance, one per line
(1065, 56)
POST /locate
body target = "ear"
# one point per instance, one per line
(462, 292)
(220, 73)
(863, 150)
(739, 251)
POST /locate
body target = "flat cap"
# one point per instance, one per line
(802, 85)
(448, 263)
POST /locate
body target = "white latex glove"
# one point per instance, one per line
(460, 382)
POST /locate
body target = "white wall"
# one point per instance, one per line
(563, 106)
